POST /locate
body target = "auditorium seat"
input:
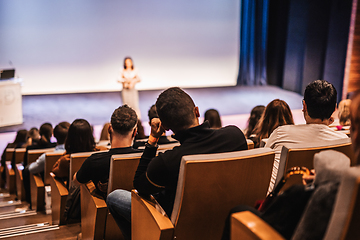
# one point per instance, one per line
(37, 184)
(59, 191)
(32, 156)
(344, 222)
(96, 221)
(302, 155)
(9, 172)
(209, 186)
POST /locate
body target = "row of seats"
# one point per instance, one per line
(204, 191)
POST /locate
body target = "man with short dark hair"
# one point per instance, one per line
(122, 130)
(318, 105)
(159, 174)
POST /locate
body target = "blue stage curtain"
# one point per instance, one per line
(253, 42)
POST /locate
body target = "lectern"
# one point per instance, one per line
(10, 102)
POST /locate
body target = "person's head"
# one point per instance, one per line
(213, 117)
(277, 113)
(80, 137)
(319, 100)
(104, 136)
(123, 122)
(34, 133)
(152, 113)
(61, 131)
(355, 125)
(46, 131)
(254, 118)
(176, 110)
(21, 136)
(128, 63)
(344, 112)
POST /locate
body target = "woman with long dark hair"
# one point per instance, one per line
(79, 139)
(254, 118)
(129, 77)
(277, 113)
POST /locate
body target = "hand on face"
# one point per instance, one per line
(156, 128)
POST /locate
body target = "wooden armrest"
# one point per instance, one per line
(147, 222)
(246, 225)
(93, 213)
(59, 194)
(37, 192)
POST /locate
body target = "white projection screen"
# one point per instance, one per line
(72, 46)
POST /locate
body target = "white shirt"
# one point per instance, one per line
(298, 134)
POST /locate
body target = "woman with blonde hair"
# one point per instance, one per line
(277, 113)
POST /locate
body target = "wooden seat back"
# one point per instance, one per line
(9, 154)
(122, 171)
(210, 185)
(76, 160)
(34, 154)
(19, 155)
(302, 155)
(50, 160)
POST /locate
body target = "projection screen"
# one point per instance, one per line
(78, 46)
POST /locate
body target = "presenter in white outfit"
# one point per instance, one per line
(128, 78)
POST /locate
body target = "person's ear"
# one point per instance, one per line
(304, 106)
(331, 120)
(110, 129)
(134, 133)
(196, 111)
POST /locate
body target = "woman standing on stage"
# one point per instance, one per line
(129, 77)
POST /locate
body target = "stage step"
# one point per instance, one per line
(26, 229)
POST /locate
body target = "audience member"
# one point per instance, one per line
(79, 139)
(318, 105)
(60, 133)
(46, 132)
(344, 113)
(277, 113)
(213, 117)
(287, 210)
(104, 136)
(254, 118)
(33, 137)
(20, 141)
(122, 131)
(159, 174)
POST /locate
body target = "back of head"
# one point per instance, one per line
(320, 98)
(277, 113)
(152, 113)
(21, 136)
(123, 120)
(61, 131)
(344, 112)
(34, 133)
(46, 131)
(175, 109)
(254, 118)
(213, 117)
(79, 138)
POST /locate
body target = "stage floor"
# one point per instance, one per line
(233, 103)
